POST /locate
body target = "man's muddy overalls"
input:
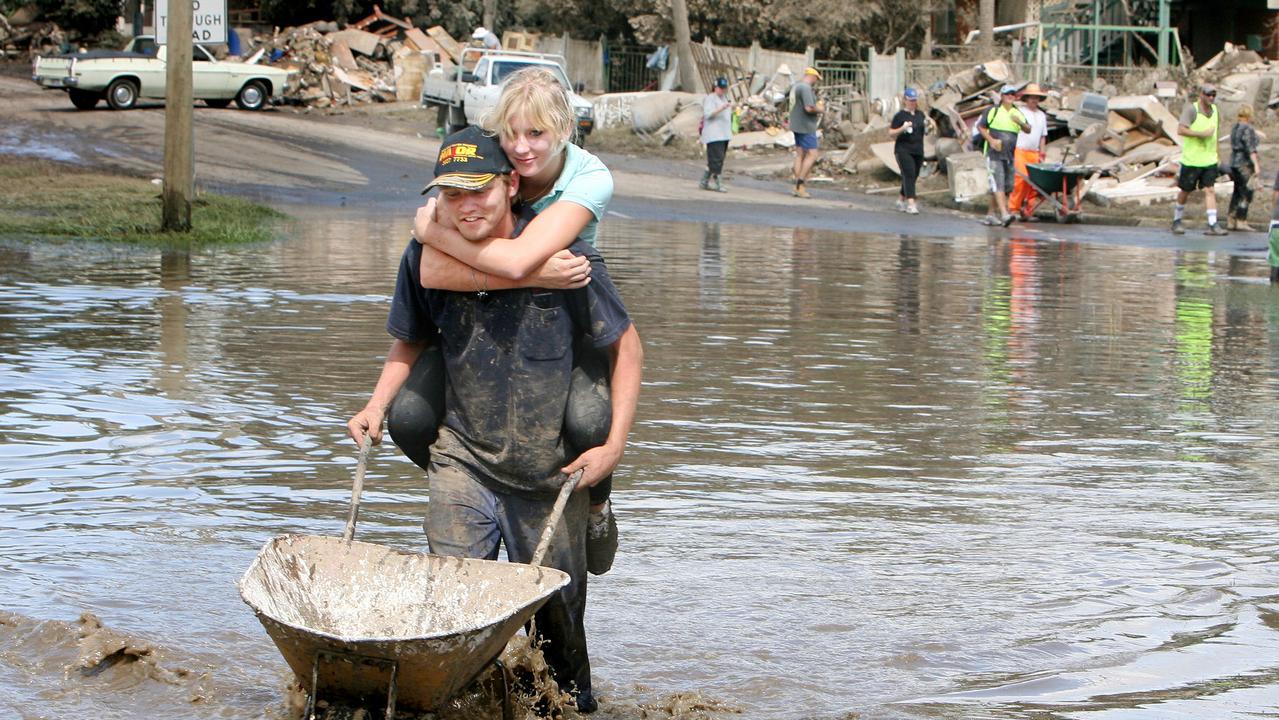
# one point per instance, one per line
(495, 468)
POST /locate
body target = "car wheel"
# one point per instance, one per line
(83, 99)
(122, 94)
(455, 119)
(217, 103)
(252, 96)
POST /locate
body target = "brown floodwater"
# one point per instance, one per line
(872, 476)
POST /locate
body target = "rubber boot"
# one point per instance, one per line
(705, 183)
(716, 186)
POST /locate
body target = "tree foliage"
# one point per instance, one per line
(836, 28)
(459, 17)
(82, 17)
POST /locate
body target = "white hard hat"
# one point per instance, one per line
(479, 33)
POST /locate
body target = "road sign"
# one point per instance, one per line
(208, 22)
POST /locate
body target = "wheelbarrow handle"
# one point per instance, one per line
(357, 488)
(548, 532)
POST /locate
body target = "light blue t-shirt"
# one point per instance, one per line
(584, 181)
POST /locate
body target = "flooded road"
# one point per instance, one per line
(872, 476)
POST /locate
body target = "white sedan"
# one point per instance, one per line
(121, 77)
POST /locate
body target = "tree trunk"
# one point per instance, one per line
(986, 24)
(490, 15)
(688, 78)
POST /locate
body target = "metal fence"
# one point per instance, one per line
(626, 70)
(841, 79)
(1079, 75)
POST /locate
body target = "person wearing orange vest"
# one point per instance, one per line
(999, 127)
(1031, 147)
(1198, 129)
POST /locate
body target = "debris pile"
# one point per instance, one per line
(378, 59)
(23, 34)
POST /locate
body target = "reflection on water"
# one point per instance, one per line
(890, 476)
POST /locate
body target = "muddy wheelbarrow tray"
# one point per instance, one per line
(1053, 180)
(361, 621)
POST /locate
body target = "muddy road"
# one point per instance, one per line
(280, 156)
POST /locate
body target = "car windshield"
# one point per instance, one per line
(501, 69)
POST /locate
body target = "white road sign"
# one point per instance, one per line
(208, 23)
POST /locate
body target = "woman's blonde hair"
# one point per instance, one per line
(1245, 112)
(539, 97)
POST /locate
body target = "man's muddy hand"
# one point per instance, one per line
(563, 271)
(425, 222)
(596, 464)
(366, 422)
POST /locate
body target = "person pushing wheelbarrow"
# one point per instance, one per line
(501, 455)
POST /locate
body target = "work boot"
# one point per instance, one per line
(1178, 228)
(601, 540)
(1215, 230)
(801, 191)
(586, 703)
(705, 183)
(1242, 226)
(1232, 224)
(716, 186)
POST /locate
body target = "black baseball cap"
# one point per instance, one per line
(469, 159)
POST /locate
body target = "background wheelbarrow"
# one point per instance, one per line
(1060, 185)
(368, 625)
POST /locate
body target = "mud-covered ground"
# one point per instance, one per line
(379, 156)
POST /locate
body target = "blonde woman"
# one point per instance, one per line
(1244, 165)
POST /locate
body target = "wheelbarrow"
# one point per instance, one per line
(371, 625)
(1059, 185)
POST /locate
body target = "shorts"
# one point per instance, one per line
(806, 141)
(1001, 173)
(1194, 178)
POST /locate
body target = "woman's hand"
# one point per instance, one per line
(424, 223)
(563, 271)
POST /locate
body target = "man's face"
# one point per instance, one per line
(477, 213)
(1207, 98)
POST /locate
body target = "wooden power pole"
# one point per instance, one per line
(179, 137)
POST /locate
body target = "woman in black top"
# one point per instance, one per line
(907, 128)
(1244, 163)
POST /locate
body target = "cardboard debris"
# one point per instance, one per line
(364, 43)
(341, 55)
(446, 42)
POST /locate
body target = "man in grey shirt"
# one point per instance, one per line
(805, 112)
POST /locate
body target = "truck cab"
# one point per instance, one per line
(464, 96)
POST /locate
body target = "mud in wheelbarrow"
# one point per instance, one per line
(365, 623)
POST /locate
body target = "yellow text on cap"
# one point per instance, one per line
(459, 153)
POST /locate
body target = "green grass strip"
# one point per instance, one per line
(56, 200)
